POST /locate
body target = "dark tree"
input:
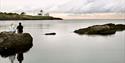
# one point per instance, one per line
(41, 13)
(22, 13)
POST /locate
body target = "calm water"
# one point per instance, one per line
(68, 47)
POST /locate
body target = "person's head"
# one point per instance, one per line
(19, 23)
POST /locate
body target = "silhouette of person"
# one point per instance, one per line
(20, 28)
(20, 57)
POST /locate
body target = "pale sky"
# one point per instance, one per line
(70, 6)
(67, 7)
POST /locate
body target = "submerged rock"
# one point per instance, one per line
(105, 29)
(13, 43)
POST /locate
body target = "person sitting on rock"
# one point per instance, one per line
(20, 28)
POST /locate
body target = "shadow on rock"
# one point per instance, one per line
(12, 44)
(106, 29)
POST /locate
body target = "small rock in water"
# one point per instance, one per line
(50, 33)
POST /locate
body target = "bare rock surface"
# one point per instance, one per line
(105, 29)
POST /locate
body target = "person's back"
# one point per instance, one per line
(20, 28)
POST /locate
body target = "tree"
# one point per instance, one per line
(41, 12)
(22, 13)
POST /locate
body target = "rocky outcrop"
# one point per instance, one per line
(105, 29)
(13, 43)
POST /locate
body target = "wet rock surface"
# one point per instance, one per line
(105, 29)
(13, 43)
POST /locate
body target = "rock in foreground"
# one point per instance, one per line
(12, 43)
(105, 29)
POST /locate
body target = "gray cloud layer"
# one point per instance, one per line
(91, 6)
(68, 6)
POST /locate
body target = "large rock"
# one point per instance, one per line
(13, 43)
(105, 29)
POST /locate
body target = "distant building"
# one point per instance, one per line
(46, 14)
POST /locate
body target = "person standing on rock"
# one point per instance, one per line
(20, 28)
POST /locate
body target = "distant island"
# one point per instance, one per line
(23, 16)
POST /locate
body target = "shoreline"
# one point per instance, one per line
(15, 16)
(64, 19)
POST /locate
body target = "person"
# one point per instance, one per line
(20, 28)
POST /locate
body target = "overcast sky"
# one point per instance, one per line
(69, 6)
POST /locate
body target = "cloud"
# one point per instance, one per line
(65, 6)
(91, 6)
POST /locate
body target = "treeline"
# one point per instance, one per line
(23, 16)
(2, 13)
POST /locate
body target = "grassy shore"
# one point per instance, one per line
(15, 16)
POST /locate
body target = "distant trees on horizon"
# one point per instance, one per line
(22, 13)
(40, 13)
(9, 13)
(23, 16)
(43, 14)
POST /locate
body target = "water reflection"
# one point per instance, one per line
(15, 45)
(20, 57)
(68, 47)
(12, 58)
(12, 53)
